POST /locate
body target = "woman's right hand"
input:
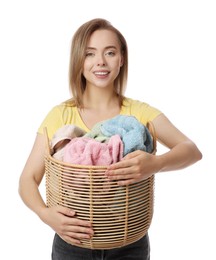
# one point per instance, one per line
(64, 222)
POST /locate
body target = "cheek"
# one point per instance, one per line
(117, 65)
(119, 62)
(87, 65)
(86, 68)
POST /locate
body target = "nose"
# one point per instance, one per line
(101, 61)
(101, 64)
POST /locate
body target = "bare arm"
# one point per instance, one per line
(140, 165)
(62, 220)
(31, 177)
(183, 151)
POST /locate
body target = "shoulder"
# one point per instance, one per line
(58, 116)
(136, 106)
(134, 103)
(63, 109)
(143, 111)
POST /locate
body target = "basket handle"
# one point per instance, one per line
(152, 131)
(48, 150)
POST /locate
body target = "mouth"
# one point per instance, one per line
(101, 73)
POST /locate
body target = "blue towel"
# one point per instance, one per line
(134, 135)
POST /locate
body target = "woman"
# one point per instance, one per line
(98, 75)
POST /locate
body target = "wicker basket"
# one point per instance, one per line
(120, 215)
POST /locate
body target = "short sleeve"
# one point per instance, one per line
(52, 122)
(149, 113)
(141, 110)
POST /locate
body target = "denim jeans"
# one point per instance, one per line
(139, 250)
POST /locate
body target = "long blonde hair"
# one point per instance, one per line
(77, 81)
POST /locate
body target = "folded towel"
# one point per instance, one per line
(135, 136)
(87, 151)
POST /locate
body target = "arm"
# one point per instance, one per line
(62, 220)
(183, 152)
(140, 165)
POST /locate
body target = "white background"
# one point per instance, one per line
(172, 66)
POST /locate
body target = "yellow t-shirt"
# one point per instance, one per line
(65, 114)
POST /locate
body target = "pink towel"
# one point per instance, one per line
(63, 136)
(88, 151)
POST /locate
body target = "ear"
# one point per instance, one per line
(122, 61)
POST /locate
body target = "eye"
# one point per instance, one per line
(110, 53)
(90, 54)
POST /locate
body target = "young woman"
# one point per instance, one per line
(98, 75)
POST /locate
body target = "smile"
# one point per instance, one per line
(101, 73)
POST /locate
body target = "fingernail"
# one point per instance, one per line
(72, 212)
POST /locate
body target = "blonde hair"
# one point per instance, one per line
(77, 81)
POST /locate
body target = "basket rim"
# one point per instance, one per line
(78, 166)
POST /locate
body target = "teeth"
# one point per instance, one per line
(101, 73)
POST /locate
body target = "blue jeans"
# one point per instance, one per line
(139, 250)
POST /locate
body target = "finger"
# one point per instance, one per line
(128, 169)
(78, 236)
(127, 161)
(117, 174)
(131, 155)
(119, 165)
(79, 230)
(126, 182)
(66, 211)
(79, 222)
(127, 177)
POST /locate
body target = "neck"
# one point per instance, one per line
(100, 99)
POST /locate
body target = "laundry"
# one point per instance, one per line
(63, 136)
(96, 133)
(87, 151)
(135, 136)
(106, 143)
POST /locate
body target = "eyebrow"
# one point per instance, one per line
(107, 47)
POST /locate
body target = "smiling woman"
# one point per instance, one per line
(98, 76)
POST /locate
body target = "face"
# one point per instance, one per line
(103, 59)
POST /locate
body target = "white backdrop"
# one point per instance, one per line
(172, 66)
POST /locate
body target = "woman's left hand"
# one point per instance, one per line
(134, 167)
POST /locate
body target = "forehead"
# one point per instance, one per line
(103, 38)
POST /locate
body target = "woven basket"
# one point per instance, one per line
(120, 215)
